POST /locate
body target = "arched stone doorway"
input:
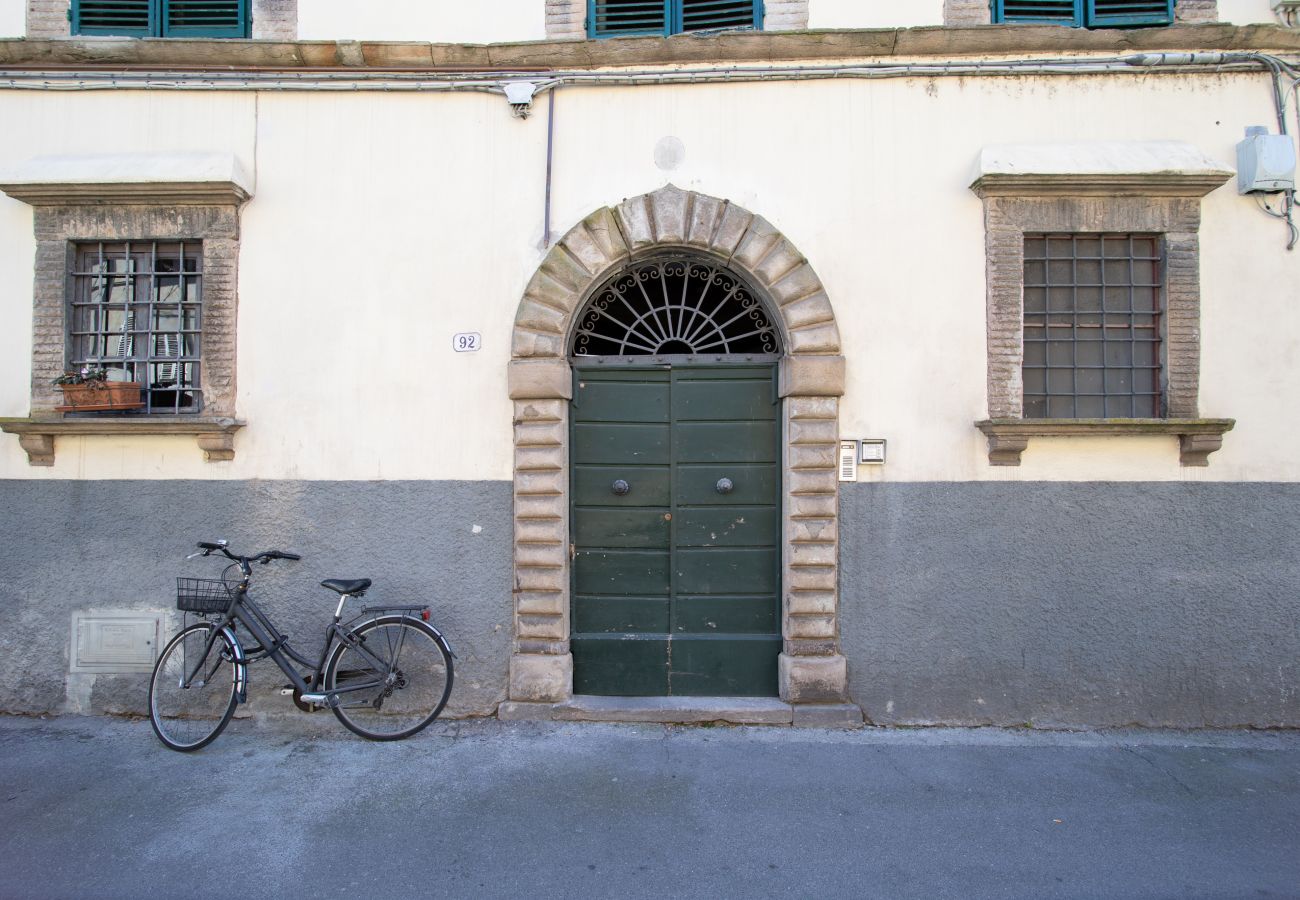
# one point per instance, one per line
(811, 668)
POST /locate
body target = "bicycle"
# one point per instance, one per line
(386, 673)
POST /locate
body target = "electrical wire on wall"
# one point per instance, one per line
(1282, 71)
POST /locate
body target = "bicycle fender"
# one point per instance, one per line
(442, 639)
(241, 665)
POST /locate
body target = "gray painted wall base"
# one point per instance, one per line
(997, 603)
(73, 545)
(1171, 604)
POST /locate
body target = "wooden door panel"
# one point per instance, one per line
(725, 570)
(621, 572)
(735, 526)
(645, 528)
(725, 615)
(620, 400)
(637, 665)
(752, 484)
(610, 615)
(743, 401)
(712, 442)
(619, 443)
(703, 666)
(647, 486)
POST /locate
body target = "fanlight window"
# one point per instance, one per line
(671, 306)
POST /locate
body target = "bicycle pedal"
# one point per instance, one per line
(287, 690)
(321, 700)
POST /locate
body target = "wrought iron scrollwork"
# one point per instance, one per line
(674, 305)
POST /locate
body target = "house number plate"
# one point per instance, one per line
(466, 342)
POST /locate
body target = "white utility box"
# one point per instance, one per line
(1265, 162)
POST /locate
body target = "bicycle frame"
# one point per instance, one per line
(247, 613)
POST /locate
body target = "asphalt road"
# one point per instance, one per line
(298, 807)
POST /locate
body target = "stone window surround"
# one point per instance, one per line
(813, 675)
(567, 19)
(1163, 202)
(273, 20)
(67, 214)
(979, 12)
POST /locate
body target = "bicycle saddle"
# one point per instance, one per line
(355, 587)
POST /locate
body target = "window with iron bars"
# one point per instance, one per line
(136, 309)
(621, 18)
(1093, 306)
(1086, 13)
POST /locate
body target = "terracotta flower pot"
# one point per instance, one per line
(101, 395)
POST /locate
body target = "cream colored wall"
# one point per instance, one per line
(13, 18)
(450, 21)
(1246, 12)
(383, 224)
(874, 13)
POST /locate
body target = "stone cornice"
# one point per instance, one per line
(1159, 184)
(194, 193)
(1097, 169)
(128, 179)
(36, 434)
(86, 54)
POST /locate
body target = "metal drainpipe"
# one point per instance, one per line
(550, 156)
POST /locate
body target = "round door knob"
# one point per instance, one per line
(620, 487)
(724, 485)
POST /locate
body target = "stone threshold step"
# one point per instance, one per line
(685, 711)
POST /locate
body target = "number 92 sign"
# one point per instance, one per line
(466, 342)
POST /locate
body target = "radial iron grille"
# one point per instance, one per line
(672, 306)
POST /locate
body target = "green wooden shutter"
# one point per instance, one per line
(1121, 13)
(702, 15)
(1046, 12)
(614, 18)
(128, 18)
(205, 18)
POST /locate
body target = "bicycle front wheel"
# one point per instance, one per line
(394, 682)
(192, 692)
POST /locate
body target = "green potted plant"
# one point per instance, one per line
(91, 389)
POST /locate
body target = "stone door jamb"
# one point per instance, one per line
(811, 667)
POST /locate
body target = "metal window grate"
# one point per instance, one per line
(674, 305)
(137, 311)
(1092, 326)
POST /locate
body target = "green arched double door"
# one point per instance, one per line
(675, 454)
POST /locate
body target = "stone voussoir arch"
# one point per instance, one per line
(812, 669)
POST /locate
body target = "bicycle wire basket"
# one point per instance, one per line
(203, 595)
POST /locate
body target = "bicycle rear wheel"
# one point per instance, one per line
(408, 671)
(188, 717)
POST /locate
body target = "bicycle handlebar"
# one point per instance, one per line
(210, 547)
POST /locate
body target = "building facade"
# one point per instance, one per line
(826, 358)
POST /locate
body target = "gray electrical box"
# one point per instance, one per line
(1265, 162)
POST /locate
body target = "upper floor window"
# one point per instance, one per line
(1085, 13)
(618, 18)
(162, 18)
